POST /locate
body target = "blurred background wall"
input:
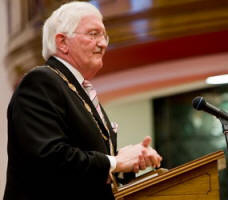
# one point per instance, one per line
(160, 54)
(6, 91)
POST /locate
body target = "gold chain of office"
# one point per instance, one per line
(88, 108)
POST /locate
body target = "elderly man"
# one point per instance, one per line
(61, 144)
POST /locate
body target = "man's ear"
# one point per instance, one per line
(61, 45)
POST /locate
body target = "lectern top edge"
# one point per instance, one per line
(209, 158)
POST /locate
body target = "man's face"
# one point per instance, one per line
(85, 50)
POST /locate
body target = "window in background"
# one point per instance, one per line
(183, 134)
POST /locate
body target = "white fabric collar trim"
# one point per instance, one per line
(74, 71)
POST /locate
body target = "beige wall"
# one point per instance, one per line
(134, 113)
(5, 94)
(134, 119)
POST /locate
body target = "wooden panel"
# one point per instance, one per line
(165, 20)
(201, 183)
(193, 180)
(162, 50)
(141, 35)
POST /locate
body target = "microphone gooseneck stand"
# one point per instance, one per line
(225, 129)
(199, 103)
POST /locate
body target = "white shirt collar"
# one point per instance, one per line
(74, 71)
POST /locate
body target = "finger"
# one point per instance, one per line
(147, 159)
(154, 158)
(161, 158)
(142, 163)
(146, 142)
(136, 168)
(158, 160)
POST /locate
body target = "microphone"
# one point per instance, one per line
(200, 104)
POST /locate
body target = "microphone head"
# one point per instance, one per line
(198, 103)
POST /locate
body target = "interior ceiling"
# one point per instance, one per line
(142, 32)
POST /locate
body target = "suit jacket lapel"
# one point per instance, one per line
(109, 126)
(54, 63)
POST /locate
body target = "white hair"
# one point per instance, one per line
(64, 20)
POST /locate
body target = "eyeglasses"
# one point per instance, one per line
(95, 35)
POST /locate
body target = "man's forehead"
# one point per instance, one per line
(91, 21)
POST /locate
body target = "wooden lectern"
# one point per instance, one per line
(197, 179)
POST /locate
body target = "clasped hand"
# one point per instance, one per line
(133, 158)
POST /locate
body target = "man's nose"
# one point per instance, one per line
(103, 42)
